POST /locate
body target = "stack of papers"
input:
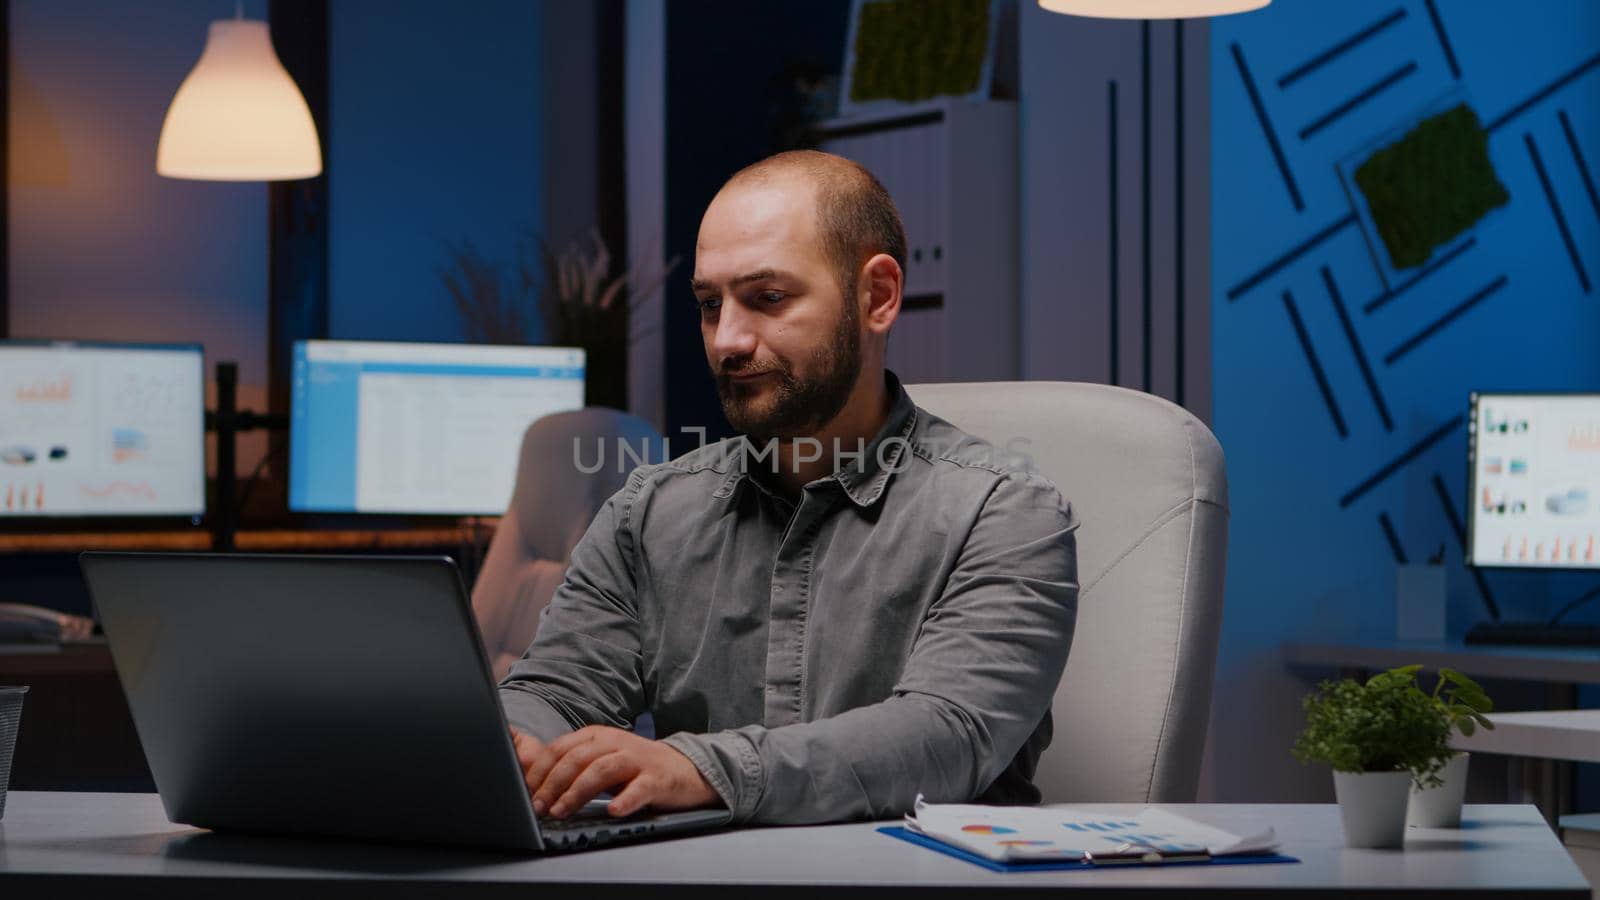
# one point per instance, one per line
(1029, 834)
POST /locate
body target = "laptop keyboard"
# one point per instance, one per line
(592, 826)
(588, 817)
(592, 816)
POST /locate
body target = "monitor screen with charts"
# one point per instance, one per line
(418, 429)
(90, 430)
(1534, 481)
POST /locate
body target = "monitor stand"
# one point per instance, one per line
(228, 421)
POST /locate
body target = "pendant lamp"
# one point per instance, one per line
(1151, 9)
(239, 116)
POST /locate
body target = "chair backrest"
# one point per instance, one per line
(1146, 480)
(557, 494)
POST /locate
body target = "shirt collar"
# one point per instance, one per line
(864, 477)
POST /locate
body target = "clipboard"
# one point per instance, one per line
(1141, 859)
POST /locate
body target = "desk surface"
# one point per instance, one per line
(19, 660)
(1570, 734)
(1572, 665)
(50, 842)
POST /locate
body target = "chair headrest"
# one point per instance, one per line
(570, 464)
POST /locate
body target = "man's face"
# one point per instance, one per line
(783, 343)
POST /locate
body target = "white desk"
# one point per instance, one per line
(1553, 665)
(1566, 734)
(119, 845)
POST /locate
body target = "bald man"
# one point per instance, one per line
(852, 603)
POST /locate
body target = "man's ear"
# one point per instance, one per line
(881, 283)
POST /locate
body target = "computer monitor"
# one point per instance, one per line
(92, 430)
(419, 429)
(1534, 481)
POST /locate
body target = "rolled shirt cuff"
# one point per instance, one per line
(529, 713)
(729, 763)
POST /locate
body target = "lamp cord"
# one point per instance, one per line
(1590, 595)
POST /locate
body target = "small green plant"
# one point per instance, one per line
(1385, 725)
(1463, 701)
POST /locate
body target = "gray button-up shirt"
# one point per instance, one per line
(899, 630)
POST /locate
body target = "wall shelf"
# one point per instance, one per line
(951, 168)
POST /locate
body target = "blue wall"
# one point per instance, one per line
(1310, 558)
(437, 129)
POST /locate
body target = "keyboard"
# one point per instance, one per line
(592, 826)
(588, 817)
(1534, 634)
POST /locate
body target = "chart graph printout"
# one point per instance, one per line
(90, 430)
(1535, 480)
(413, 428)
(1024, 834)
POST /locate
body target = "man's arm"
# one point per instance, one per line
(574, 694)
(980, 676)
(583, 667)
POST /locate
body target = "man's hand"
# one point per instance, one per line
(571, 770)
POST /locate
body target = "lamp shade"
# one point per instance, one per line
(238, 116)
(1151, 9)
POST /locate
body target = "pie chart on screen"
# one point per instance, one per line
(988, 829)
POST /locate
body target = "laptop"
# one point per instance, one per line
(344, 696)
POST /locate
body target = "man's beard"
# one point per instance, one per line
(795, 408)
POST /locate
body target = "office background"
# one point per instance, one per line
(1321, 511)
(1185, 228)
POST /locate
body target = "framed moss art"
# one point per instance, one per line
(1431, 185)
(903, 52)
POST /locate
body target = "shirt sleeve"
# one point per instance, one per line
(980, 677)
(584, 665)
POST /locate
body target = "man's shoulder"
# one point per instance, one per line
(988, 469)
(942, 445)
(707, 463)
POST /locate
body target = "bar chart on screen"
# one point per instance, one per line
(92, 429)
(1536, 480)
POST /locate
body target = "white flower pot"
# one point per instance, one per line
(1440, 807)
(1372, 806)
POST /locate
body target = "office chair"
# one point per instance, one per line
(552, 504)
(1146, 479)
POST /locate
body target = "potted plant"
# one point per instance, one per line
(1379, 737)
(578, 294)
(1437, 802)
